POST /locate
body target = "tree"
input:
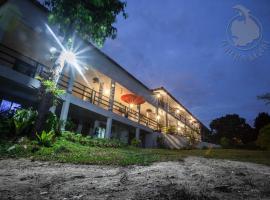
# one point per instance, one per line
(261, 120)
(92, 20)
(263, 140)
(233, 128)
(265, 97)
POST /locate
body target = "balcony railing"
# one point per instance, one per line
(32, 68)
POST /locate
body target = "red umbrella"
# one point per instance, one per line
(132, 99)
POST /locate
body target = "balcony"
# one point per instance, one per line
(32, 68)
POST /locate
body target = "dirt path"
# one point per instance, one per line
(193, 178)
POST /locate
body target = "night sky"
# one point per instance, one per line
(178, 45)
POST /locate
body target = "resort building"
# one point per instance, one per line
(104, 100)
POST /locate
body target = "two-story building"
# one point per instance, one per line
(102, 98)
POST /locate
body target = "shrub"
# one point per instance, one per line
(61, 149)
(53, 123)
(225, 142)
(89, 141)
(263, 140)
(23, 120)
(135, 142)
(70, 125)
(160, 142)
(45, 138)
(6, 126)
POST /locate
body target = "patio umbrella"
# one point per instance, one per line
(132, 99)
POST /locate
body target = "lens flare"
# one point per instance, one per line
(69, 56)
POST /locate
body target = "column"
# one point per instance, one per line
(79, 128)
(112, 92)
(137, 133)
(108, 127)
(139, 112)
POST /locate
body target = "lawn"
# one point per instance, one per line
(73, 152)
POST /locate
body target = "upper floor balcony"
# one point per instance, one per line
(100, 94)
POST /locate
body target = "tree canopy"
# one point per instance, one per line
(261, 120)
(232, 127)
(92, 20)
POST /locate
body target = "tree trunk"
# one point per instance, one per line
(46, 102)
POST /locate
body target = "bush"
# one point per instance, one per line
(53, 123)
(7, 128)
(225, 142)
(89, 141)
(24, 120)
(45, 138)
(135, 142)
(160, 142)
(263, 140)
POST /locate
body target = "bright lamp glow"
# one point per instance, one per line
(106, 91)
(69, 57)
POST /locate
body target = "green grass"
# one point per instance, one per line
(72, 152)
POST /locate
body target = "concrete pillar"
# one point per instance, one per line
(112, 92)
(108, 127)
(79, 128)
(139, 112)
(137, 133)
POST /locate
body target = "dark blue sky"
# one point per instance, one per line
(178, 45)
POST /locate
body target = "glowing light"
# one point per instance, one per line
(158, 95)
(131, 105)
(178, 128)
(158, 117)
(177, 111)
(68, 56)
(107, 92)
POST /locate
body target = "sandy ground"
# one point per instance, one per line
(193, 178)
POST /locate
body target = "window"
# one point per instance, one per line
(6, 106)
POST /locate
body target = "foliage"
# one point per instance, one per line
(232, 127)
(263, 140)
(53, 123)
(23, 120)
(225, 142)
(6, 124)
(161, 142)
(265, 97)
(70, 125)
(91, 19)
(170, 130)
(135, 142)
(70, 152)
(45, 138)
(89, 141)
(50, 87)
(261, 120)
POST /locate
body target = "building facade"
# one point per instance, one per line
(102, 99)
